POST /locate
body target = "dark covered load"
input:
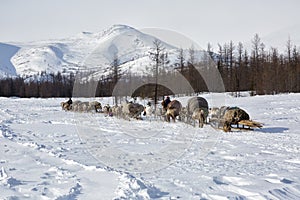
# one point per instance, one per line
(233, 116)
(196, 102)
(225, 117)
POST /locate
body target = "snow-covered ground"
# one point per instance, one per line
(47, 153)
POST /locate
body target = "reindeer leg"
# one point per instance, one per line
(201, 121)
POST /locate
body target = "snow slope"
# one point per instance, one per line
(92, 53)
(47, 153)
(7, 51)
(279, 39)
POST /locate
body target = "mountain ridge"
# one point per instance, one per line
(95, 52)
(7, 52)
(84, 51)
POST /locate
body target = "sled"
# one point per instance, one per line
(244, 125)
(250, 124)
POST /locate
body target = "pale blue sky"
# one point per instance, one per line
(203, 21)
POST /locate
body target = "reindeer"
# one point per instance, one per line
(65, 106)
(117, 111)
(197, 109)
(94, 105)
(199, 114)
(132, 110)
(173, 110)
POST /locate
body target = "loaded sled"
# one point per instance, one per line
(232, 118)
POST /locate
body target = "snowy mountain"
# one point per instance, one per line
(7, 51)
(88, 52)
(94, 52)
(278, 39)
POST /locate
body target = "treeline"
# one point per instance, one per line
(259, 70)
(42, 85)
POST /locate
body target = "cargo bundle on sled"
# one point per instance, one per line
(228, 118)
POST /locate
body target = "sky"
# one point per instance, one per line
(202, 21)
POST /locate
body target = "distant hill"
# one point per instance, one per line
(93, 53)
(86, 52)
(278, 39)
(7, 68)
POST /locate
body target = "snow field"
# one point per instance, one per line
(48, 153)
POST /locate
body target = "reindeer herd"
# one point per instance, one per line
(196, 110)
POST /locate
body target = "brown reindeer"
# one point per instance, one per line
(65, 106)
(173, 110)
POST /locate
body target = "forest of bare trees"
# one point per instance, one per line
(259, 71)
(51, 85)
